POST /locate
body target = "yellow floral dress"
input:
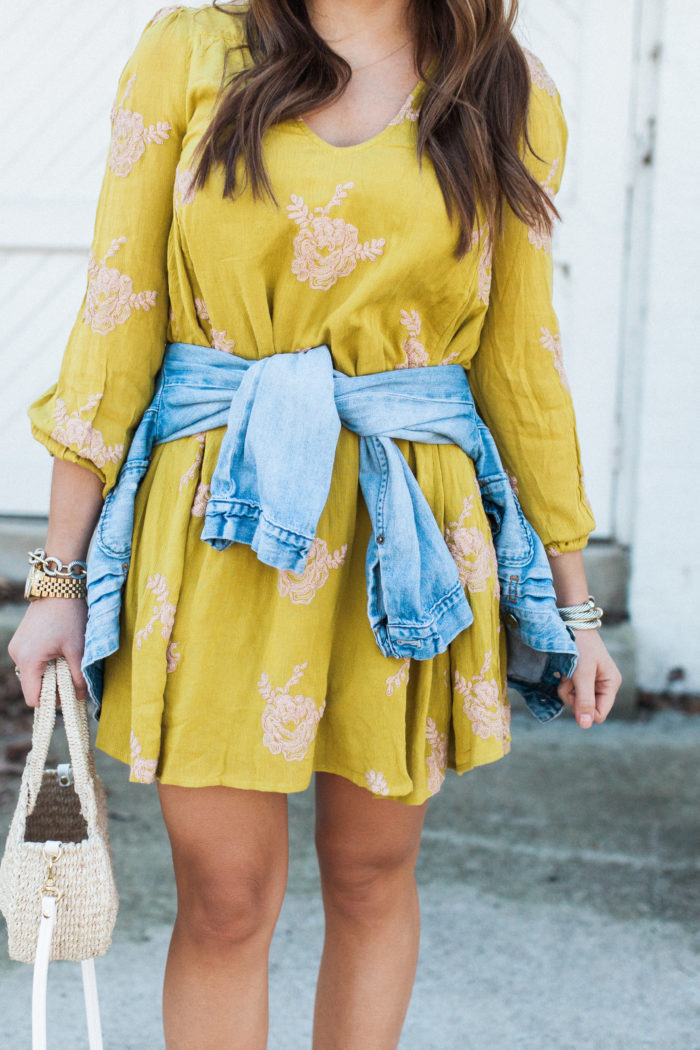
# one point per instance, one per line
(230, 671)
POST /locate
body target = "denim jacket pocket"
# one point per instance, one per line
(511, 531)
(116, 524)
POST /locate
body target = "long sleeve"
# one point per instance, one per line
(517, 374)
(117, 342)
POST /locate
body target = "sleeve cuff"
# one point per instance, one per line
(556, 547)
(60, 451)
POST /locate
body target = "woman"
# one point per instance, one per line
(237, 673)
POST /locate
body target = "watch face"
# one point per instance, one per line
(30, 581)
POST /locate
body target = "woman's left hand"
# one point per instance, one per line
(592, 688)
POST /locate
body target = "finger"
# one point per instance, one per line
(584, 701)
(605, 698)
(30, 681)
(73, 659)
(567, 692)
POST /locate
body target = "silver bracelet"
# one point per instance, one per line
(585, 617)
(55, 567)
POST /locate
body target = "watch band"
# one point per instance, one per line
(45, 586)
(49, 578)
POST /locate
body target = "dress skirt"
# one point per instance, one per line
(231, 672)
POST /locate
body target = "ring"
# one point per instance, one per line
(18, 672)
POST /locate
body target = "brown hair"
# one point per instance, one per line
(472, 121)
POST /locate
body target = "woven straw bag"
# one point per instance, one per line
(57, 889)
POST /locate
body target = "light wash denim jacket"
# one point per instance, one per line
(283, 415)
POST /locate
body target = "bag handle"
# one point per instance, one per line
(57, 680)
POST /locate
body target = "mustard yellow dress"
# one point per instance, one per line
(230, 671)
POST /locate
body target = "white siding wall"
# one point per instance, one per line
(663, 529)
(63, 60)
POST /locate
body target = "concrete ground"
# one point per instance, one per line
(560, 894)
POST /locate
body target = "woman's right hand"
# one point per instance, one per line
(51, 627)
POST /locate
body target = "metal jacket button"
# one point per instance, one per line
(380, 538)
(511, 619)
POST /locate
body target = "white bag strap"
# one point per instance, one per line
(41, 968)
(92, 1006)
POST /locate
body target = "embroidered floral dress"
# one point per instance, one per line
(230, 671)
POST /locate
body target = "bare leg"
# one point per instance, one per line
(367, 851)
(230, 851)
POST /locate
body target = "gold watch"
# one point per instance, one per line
(49, 578)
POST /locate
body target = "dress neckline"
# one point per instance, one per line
(407, 111)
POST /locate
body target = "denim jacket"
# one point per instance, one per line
(283, 415)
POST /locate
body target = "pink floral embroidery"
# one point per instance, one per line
(552, 342)
(450, 358)
(395, 681)
(143, 770)
(220, 341)
(376, 782)
(513, 483)
(485, 707)
(302, 587)
(219, 337)
(482, 236)
(416, 354)
(437, 759)
(173, 322)
(162, 12)
(191, 471)
(163, 610)
(538, 236)
(472, 551)
(407, 112)
(183, 187)
(172, 657)
(289, 722)
(553, 552)
(80, 435)
(130, 137)
(110, 296)
(201, 498)
(538, 74)
(327, 249)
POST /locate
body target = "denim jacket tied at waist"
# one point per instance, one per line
(283, 416)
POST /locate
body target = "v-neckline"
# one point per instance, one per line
(394, 122)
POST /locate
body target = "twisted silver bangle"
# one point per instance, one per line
(585, 617)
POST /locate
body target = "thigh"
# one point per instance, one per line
(353, 829)
(223, 837)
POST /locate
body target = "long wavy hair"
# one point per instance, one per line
(472, 120)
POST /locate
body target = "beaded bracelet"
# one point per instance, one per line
(586, 617)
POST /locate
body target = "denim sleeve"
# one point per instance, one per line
(118, 339)
(517, 375)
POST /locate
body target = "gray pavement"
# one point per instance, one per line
(560, 899)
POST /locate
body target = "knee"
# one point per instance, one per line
(229, 909)
(364, 884)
